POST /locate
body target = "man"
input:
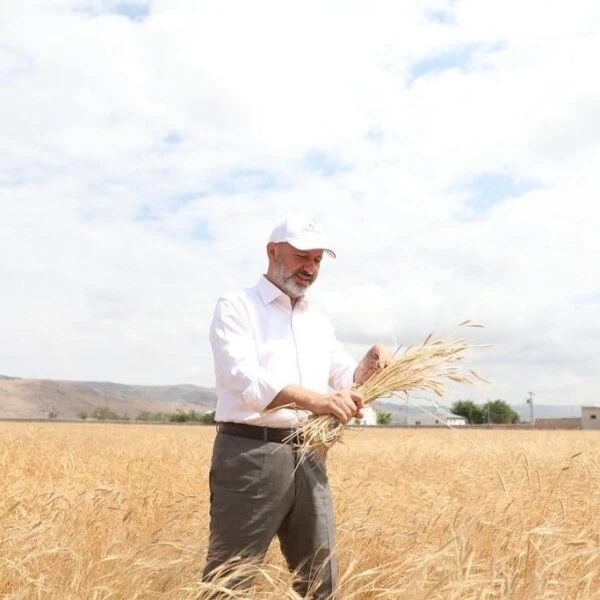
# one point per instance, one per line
(276, 362)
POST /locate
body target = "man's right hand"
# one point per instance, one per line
(344, 405)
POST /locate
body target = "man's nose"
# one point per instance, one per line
(310, 267)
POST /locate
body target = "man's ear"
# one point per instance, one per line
(272, 250)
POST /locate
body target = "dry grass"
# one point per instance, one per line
(120, 512)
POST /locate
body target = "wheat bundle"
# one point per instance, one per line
(423, 367)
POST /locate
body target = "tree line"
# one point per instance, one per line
(493, 411)
(180, 416)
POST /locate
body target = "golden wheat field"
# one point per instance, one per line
(105, 511)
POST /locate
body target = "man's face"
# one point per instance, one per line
(293, 270)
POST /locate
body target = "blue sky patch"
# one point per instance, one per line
(488, 189)
(173, 137)
(180, 200)
(589, 297)
(201, 231)
(228, 183)
(146, 213)
(323, 164)
(244, 180)
(440, 16)
(457, 58)
(134, 11)
(375, 135)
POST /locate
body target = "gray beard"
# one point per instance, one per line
(287, 283)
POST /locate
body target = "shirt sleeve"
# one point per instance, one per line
(236, 364)
(341, 373)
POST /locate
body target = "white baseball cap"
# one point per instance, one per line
(302, 232)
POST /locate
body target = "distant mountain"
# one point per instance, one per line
(547, 411)
(36, 398)
(187, 393)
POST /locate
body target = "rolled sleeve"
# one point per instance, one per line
(237, 369)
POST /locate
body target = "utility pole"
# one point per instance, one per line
(530, 402)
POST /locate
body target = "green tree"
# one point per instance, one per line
(146, 415)
(105, 414)
(191, 416)
(498, 411)
(208, 418)
(468, 409)
(383, 418)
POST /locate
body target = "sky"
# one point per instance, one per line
(451, 149)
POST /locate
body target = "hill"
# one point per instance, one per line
(36, 398)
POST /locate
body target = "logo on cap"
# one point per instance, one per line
(311, 225)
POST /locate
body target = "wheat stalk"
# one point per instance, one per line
(426, 367)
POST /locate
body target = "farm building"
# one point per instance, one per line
(369, 417)
(428, 416)
(590, 416)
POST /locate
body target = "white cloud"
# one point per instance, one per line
(144, 160)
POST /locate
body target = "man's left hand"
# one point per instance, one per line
(378, 357)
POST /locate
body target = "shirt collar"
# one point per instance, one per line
(269, 292)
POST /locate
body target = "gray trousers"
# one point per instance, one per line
(259, 490)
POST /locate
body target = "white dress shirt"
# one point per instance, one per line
(261, 345)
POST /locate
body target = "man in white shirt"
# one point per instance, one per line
(277, 361)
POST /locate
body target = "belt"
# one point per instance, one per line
(265, 434)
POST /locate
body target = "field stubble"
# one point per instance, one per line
(121, 512)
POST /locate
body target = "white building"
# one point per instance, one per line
(429, 416)
(369, 417)
(590, 416)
